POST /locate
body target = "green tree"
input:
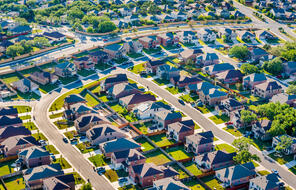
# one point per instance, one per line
(90, 29)
(242, 143)
(240, 52)
(274, 66)
(245, 156)
(106, 26)
(14, 50)
(248, 117)
(41, 42)
(86, 186)
(285, 142)
(276, 129)
(291, 89)
(249, 68)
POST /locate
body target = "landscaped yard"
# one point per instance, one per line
(293, 169)
(91, 101)
(143, 127)
(281, 160)
(217, 119)
(261, 145)
(178, 153)
(25, 117)
(102, 66)
(204, 109)
(191, 166)
(85, 73)
(102, 97)
(47, 88)
(111, 175)
(39, 136)
(118, 108)
(120, 60)
(174, 90)
(5, 168)
(70, 134)
(233, 131)
(10, 78)
(161, 82)
(212, 182)
(226, 147)
(99, 160)
(84, 148)
(63, 124)
(63, 162)
(23, 109)
(15, 183)
(135, 55)
(67, 80)
(151, 50)
(57, 115)
(51, 149)
(189, 99)
(182, 173)
(194, 185)
(157, 157)
(30, 126)
(137, 69)
(161, 140)
(263, 172)
(78, 178)
(145, 144)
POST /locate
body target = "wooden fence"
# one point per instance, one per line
(156, 133)
(8, 158)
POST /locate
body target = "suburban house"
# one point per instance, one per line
(246, 35)
(251, 80)
(134, 46)
(289, 67)
(235, 119)
(84, 63)
(188, 37)
(267, 89)
(200, 143)
(260, 129)
(112, 80)
(98, 57)
(73, 99)
(54, 36)
(217, 68)
(214, 160)
(278, 13)
(206, 35)
(289, 150)
(61, 182)
(145, 174)
(12, 145)
(65, 69)
(265, 35)
(166, 117)
(6, 91)
(152, 65)
(182, 81)
(258, 54)
(103, 133)
(10, 131)
(168, 184)
(126, 159)
(284, 98)
(236, 175)
(189, 55)
(207, 59)
(229, 76)
(199, 87)
(77, 110)
(44, 78)
(266, 182)
(179, 130)
(34, 156)
(168, 39)
(10, 121)
(87, 121)
(228, 34)
(147, 110)
(8, 111)
(34, 177)
(123, 89)
(212, 95)
(116, 50)
(117, 145)
(149, 42)
(129, 102)
(166, 72)
(229, 105)
(25, 85)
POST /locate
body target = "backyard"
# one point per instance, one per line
(212, 182)
(137, 69)
(161, 140)
(157, 157)
(15, 183)
(182, 173)
(191, 166)
(226, 147)
(146, 146)
(5, 168)
(233, 131)
(99, 160)
(178, 153)
(143, 127)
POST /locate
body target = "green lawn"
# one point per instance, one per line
(30, 126)
(51, 149)
(15, 183)
(161, 82)
(85, 73)
(173, 90)
(111, 175)
(23, 109)
(83, 148)
(212, 182)
(39, 136)
(261, 145)
(10, 78)
(120, 60)
(263, 172)
(161, 140)
(118, 108)
(191, 166)
(151, 50)
(143, 127)
(233, 131)
(226, 147)
(70, 134)
(5, 168)
(78, 178)
(182, 173)
(204, 109)
(57, 115)
(135, 55)
(25, 117)
(189, 99)
(67, 80)
(91, 101)
(122, 173)
(194, 185)
(99, 160)
(157, 157)
(145, 144)
(137, 69)
(281, 160)
(178, 153)
(170, 47)
(62, 126)
(63, 162)
(47, 88)
(102, 66)
(217, 119)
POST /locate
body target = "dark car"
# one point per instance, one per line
(65, 140)
(101, 170)
(181, 102)
(122, 180)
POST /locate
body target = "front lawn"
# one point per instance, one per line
(23, 109)
(226, 147)
(63, 124)
(51, 149)
(212, 182)
(178, 153)
(120, 60)
(63, 162)
(174, 90)
(111, 175)
(39, 136)
(30, 125)
(99, 160)
(188, 98)
(85, 73)
(85, 147)
(67, 80)
(146, 146)
(161, 82)
(152, 50)
(233, 131)
(293, 170)
(5, 168)
(194, 185)
(135, 55)
(137, 69)
(170, 47)
(217, 119)
(78, 178)
(91, 101)
(15, 183)
(204, 109)
(57, 115)
(157, 157)
(263, 172)
(191, 166)
(182, 173)
(281, 160)
(70, 134)
(161, 140)
(102, 66)
(25, 117)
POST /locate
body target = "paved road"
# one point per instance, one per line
(209, 126)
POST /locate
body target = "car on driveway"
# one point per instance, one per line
(65, 140)
(101, 170)
(122, 180)
(275, 171)
(181, 102)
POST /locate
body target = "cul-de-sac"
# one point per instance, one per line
(147, 94)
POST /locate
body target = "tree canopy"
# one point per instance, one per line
(249, 68)
(274, 66)
(240, 52)
(291, 89)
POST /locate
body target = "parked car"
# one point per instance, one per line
(101, 170)
(181, 102)
(275, 171)
(65, 140)
(122, 180)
